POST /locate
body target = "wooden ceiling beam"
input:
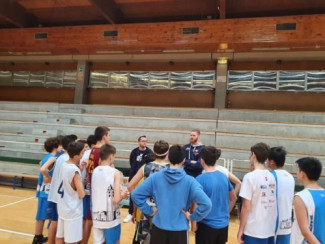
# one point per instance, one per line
(109, 9)
(15, 14)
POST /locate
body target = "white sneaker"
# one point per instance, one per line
(128, 218)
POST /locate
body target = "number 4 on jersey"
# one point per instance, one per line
(61, 190)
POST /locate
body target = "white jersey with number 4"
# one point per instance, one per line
(56, 177)
(259, 187)
(69, 204)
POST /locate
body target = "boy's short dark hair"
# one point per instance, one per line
(66, 140)
(150, 157)
(60, 137)
(75, 148)
(91, 140)
(73, 137)
(139, 139)
(160, 149)
(176, 154)
(261, 151)
(210, 155)
(311, 166)
(51, 143)
(106, 150)
(101, 131)
(278, 155)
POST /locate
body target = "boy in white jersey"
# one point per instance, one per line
(285, 186)
(105, 198)
(309, 204)
(71, 192)
(55, 182)
(258, 192)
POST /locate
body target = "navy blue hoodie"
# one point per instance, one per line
(173, 191)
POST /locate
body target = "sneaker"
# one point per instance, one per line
(128, 218)
(39, 239)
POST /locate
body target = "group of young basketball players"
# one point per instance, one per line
(79, 190)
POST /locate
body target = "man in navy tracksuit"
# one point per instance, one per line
(137, 159)
(193, 165)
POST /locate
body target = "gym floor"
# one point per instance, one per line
(17, 218)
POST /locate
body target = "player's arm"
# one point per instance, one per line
(118, 197)
(233, 179)
(78, 185)
(232, 199)
(140, 195)
(193, 223)
(246, 208)
(45, 169)
(302, 219)
(138, 176)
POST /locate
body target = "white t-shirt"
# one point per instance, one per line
(223, 170)
(285, 191)
(69, 204)
(55, 182)
(105, 213)
(260, 188)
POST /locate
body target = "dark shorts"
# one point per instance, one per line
(282, 239)
(159, 236)
(86, 206)
(254, 240)
(54, 211)
(208, 235)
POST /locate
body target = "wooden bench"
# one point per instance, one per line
(17, 179)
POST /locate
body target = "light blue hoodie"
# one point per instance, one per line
(173, 191)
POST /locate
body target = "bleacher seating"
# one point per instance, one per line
(25, 126)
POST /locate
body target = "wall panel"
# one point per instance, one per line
(37, 94)
(277, 100)
(164, 98)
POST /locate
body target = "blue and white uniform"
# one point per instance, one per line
(285, 185)
(314, 200)
(42, 192)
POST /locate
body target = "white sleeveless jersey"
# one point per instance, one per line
(285, 192)
(315, 220)
(56, 179)
(259, 187)
(69, 204)
(105, 213)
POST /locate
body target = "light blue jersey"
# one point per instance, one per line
(43, 188)
(314, 200)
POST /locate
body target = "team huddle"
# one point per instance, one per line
(172, 188)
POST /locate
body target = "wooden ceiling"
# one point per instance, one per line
(49, 13)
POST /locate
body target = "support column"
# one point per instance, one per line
(221, 85)
(83, 71)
